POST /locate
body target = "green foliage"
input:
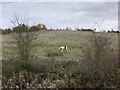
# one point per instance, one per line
(20, 28)
(6, 31)
(113, 31)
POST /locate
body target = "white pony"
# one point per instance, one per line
(63, 48)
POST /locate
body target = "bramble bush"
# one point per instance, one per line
(100, 64)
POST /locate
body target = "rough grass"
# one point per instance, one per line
(50, 61)
(49, 41)
(52, 40)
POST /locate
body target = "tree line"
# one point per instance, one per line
(43, 27)
(23, 28)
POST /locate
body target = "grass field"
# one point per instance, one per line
(81, 66)
(50, 41)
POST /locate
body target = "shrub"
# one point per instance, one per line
(24, 41)
(100, 62)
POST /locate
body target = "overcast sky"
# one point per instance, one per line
(60, 0)
(64, 14)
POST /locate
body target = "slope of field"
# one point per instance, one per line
(50, 41)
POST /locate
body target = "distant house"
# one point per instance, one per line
(41, 26)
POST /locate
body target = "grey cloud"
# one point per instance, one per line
(87, 12)
(95, 8)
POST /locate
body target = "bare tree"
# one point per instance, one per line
(24, 35)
